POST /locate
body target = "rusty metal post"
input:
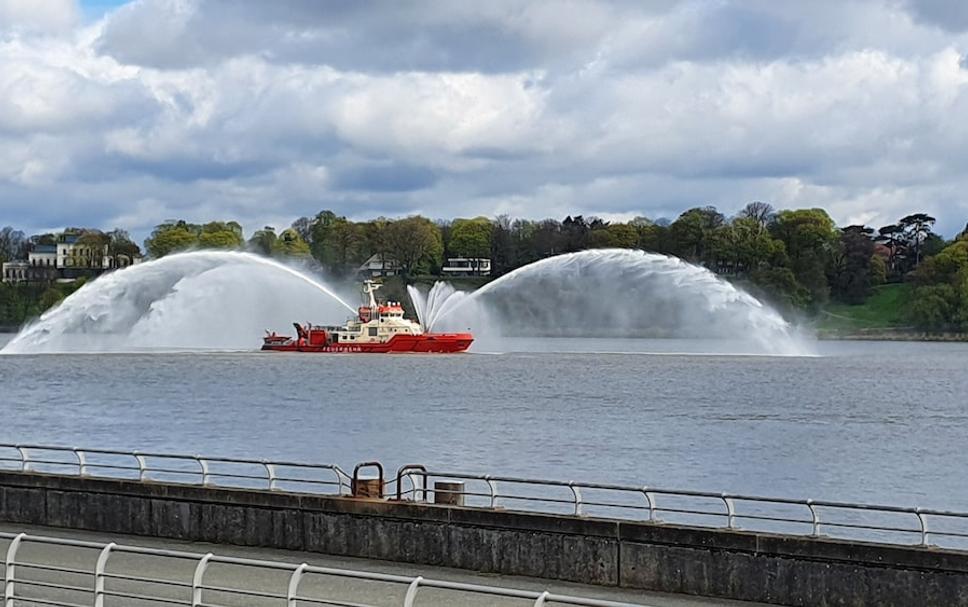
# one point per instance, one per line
(368, 486)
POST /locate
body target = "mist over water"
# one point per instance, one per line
(216, 300)
(210, 300)
(611, 293)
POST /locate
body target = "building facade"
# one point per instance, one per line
(66, 260)
(467, 266)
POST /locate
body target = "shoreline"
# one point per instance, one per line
(889, 335)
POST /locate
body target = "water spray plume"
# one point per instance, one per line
(216, 300)
(610, 293)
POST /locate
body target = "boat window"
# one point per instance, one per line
(372, 331)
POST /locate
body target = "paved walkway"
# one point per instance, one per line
(333, 591)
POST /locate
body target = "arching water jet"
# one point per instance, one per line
(611, 293)
(215, 300)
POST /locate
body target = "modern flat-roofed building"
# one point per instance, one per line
(467, 266)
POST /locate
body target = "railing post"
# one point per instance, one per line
(924, 526)
(339, 481)
(815, 515)
(24, 459)
(81, 461)
(99, 569)
(492, 486)
(651, 501)
(294, 580)
(198, 578)
(10, 570)
(271, 474)
(142, 466)
(541, 599)
(411, 596)
(203, 464)
(730, 511)
(576, 493)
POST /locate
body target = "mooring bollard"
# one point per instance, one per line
(449, 492)
(368, 485)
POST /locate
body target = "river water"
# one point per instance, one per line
(865, 421)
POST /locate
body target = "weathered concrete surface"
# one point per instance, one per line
(333, 589)
(809, 572)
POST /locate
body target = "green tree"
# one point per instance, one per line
(263, 241)
(933, 308)
(693, 232)
(620, 235)
(916, 228)
(290, 244)
(809, 237)
(171, 237)
(221, 235)
(892, 237)
(416, 244)
(851, 264)
(120, 244)
(472, 238)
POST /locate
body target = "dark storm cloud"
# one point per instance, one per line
(385, 178)
(389, 36)
(951, 15)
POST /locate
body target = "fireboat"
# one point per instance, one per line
(377, 329)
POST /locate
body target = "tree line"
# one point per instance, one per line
(798, 259)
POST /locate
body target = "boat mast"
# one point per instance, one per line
(369, 288)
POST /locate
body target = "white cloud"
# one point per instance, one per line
(266, 111)
(38, 15)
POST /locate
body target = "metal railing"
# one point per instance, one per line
(805, 517)
(177, 468)
(52, 581)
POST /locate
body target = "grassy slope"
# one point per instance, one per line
(884, 309)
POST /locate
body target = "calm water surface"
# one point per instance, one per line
(883, 422)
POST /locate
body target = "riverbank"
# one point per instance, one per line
(890, 335)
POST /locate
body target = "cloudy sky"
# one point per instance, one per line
(128, 114)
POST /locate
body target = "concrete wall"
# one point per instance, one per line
(742, 565)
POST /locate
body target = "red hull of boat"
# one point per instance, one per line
(436, 343)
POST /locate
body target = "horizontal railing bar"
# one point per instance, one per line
(50, 602)
(243, 591)
(144, 597)
(329, 602)
(146, 580)
(689, 493)
(178, 456)
(42, 584)
(40, 567)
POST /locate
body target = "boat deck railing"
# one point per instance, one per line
(889, 524)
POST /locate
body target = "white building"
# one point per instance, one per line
(43, 256)
(70, 254)
(467, 266)
(378, 265)
(15, 271)
(65, 261)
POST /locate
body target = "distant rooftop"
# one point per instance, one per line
(45, 248)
